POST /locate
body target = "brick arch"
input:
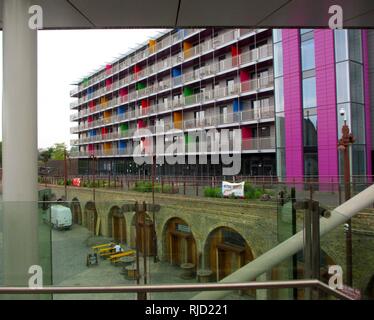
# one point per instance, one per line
(90, 216)
(116, 223)
(226, 250)
(177, 246)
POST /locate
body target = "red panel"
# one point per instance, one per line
(234, 50)
(136, 68)
(123, 92)
(89, 119)
(104, 130)
(246, 133)
(141, 124)
(244, 76)
(145, 103)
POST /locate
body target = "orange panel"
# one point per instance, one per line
(177, 117)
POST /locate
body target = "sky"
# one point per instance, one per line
(64, 57)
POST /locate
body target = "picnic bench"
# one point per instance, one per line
(115, 258)
(102, 246)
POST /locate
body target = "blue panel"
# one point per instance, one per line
(176, 72)
(237, 106)
(122, 144)
(121, 110)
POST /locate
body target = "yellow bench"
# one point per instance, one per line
(102, 246)
(117, 257)
(106, 252)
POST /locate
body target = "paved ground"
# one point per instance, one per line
(69, 269)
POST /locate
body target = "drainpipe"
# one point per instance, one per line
(294, 244)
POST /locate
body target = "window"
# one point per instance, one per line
(310, 128)
(277, 35)
(278, 59)
(311, 164)
(303, 31)
(341, 45)
(279, 96)
(358, 122)
(342, 82)
(280, 129)
(357, 91)
(224, 114)
(309, 93)
(307, 55)
(355, 46)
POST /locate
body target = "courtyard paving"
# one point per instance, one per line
(69, 251)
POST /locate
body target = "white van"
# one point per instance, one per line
(61, 217)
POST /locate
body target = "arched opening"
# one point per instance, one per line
(226, 251)
(117, 225)
(179, 243)
(90, 217)
(76, 210)
(146, 234)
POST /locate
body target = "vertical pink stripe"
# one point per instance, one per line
(293, 105)
(326, 105)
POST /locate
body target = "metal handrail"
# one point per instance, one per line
(180, 287)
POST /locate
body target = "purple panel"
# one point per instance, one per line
(365, 50)
(293, 105)
(326, 105)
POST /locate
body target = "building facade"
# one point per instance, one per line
(321, 79)
(187, 79)
(287, 90)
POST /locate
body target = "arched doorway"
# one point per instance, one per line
(76, 210)
(179, 243)
(226, 251)
(146, 234)
(117, 225)
(90, 217)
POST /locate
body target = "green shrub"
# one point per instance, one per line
(258, 193)
(213, 192)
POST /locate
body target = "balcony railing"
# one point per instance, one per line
(218, 93)
(211, 69)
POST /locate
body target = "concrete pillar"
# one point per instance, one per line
(20, 192)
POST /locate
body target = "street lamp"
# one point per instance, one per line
(344, 142)
(93, 157)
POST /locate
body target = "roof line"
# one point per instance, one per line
(80, 12)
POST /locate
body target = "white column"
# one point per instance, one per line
(20, 189)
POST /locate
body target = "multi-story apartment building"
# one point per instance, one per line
(322, 78)
(186, 79)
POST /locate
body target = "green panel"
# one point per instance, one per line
(187, 138)
(187, 91)
(140, 85)
(124, 126)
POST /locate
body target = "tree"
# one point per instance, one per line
(58, 151)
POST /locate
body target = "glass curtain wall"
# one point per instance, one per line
(350, 95)
(279, 104)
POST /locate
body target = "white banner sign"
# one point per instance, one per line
(235, 189)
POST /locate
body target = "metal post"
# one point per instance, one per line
(155, 256)
(65, 175)
(345, 141)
